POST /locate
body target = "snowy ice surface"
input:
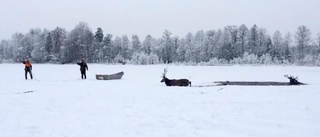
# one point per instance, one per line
(57, 103)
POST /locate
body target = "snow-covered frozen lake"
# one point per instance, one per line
(57, 103)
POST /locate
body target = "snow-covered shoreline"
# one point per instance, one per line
(62, 104)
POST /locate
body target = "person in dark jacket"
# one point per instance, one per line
(83, 67)
(27, 68)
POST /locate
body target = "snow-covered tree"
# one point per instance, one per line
(167, 47)
(2, 54)
(181, 51)
(78, 43)
(48, 48)
(20, 50)
(135, 44)
(140, 58)
(117, 47)
(287, 41)
(262, 47)
(146, 45)
(59, 36)
(277, 50)
(303, 39)
(6, 51)
(49, 44)
(190, 55)
(318, 44)
(318, 39)
(269, 45)
(253, 40)
(39, 53)
(317, 62)
(199, 46)
(234, 37)
(250, 58)
(228, 50)
(99, 35)
(266, 59)
(125, 48)
(106, 54)
(225, 46)
(176, 45)
(208, 48)
(97, 46)
(35, 37)
(307, 60)
(243, 38)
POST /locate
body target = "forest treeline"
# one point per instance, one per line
(229, 45)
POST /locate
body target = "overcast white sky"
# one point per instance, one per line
(142, 17)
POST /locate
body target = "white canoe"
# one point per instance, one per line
(110, 76)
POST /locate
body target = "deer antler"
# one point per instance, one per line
(291, 77)
(164, 72)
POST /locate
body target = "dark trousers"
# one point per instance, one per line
(83, 74)
(26, 70)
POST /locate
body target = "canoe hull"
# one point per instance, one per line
(110, 76)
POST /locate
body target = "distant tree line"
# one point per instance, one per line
(230, 45)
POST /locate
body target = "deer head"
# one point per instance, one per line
(164, 75)
(293, 80)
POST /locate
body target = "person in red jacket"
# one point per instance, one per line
(83, 67)
(27, 68)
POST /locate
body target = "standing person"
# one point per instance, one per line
(27, 68)
(83, 67)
